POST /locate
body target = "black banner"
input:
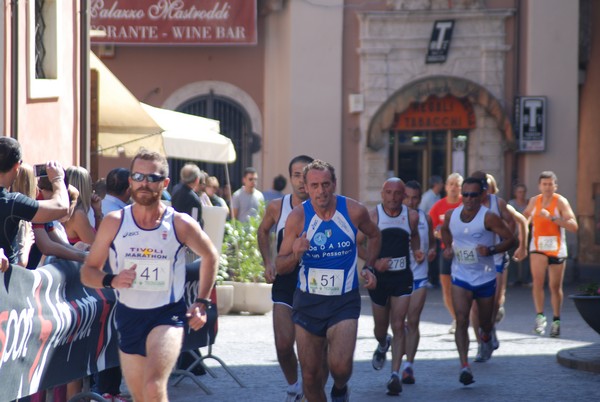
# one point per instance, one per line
(54, 330)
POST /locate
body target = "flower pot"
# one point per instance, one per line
(254, 298)
(224, 298)
(589, 309)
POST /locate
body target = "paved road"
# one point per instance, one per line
(524, 367)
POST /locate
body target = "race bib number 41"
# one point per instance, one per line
(151, 275)
(326, 282)
(466, 255)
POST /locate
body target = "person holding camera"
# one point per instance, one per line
(17, 206)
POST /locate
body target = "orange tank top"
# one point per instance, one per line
(546, 236)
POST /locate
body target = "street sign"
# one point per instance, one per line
(439, 45)
(531, 123)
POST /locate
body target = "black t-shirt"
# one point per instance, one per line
(14, 207)
(184, 199)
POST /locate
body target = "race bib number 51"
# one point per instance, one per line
(151, 275)
(326, 282)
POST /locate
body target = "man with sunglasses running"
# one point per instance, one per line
(469, 233)
(145, 243)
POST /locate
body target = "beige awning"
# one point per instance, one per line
(126, 124)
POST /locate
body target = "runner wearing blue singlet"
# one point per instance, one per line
(284, 285)
(146, 246)
(320, 235)
(470, 232)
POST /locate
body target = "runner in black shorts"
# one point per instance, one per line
(399, 234)
(284, 285)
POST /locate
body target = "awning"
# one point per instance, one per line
(125, 124)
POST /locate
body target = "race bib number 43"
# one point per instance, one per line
(326, 282)
(466, 255)
(151, 275)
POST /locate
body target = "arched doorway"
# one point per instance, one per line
(431, 138)
(488, 145)
(235, 124)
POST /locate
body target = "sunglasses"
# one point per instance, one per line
(152, 178)
(471, 195)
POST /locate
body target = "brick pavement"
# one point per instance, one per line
(526, 366)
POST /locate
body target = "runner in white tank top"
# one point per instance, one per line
(145, 243)
(470, 230)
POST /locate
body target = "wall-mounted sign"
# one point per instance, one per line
(447, 113)
(439, 45)
(174, 22)
(531, 123)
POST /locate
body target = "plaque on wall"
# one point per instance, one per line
(531, 123)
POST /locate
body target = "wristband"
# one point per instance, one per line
(368, 268)
(107, 281)
(207, 302)
(492, 250)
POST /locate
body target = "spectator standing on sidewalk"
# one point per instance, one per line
(279, 183)
(433, 195)
(320, 235)
(246, 201)
(550, 214)
(284, 285)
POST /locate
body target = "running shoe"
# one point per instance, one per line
(487, 348)
(540, 324)
(452, 327)
(294, 397)
(378, 360)
(555, 329)
(466, 377)
(121, 398)
(342, 398)
(478, 357)
(394, 385)
(108, 397)
(495, 341)
(408, 376)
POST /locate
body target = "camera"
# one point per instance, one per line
(40, 170)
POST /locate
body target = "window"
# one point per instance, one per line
(43, 48)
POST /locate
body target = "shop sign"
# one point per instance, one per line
(174, 22)
(439, 45)
(435, 114)
(531, 123)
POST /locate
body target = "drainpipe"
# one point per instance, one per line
(14, 69)
(84, 84)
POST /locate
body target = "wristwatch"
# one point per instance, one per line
(368, 268)
(492, 250)
(207, 302)
(107, 281)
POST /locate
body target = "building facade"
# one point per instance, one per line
(408, 88)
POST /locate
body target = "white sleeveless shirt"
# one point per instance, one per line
(160, 260)
(420, 270)
(467, 265)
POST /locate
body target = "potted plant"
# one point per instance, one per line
(587, 302)
(242, 263)
(224, 289)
